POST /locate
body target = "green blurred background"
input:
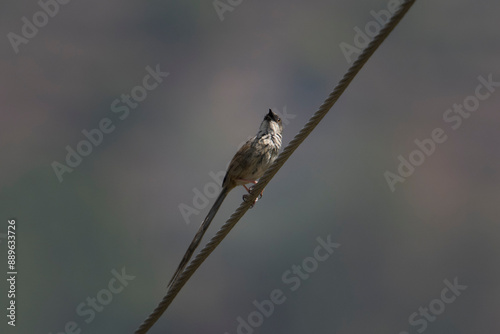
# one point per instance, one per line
(120, 208)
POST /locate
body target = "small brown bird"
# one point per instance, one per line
(248, 164)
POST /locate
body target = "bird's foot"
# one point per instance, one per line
(260, 195)
(245, 199)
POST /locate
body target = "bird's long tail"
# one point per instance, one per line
(199, 235)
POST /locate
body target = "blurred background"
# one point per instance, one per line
(130, 204)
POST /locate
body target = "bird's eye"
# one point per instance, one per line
(278, 120)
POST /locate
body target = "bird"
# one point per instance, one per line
(248, 164)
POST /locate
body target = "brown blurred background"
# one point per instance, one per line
(121, 206)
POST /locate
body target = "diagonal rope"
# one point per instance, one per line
(283, 157)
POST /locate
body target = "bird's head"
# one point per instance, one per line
(271, 124)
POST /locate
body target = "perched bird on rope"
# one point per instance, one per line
(247, 165)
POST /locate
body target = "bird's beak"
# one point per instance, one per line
(272, 115)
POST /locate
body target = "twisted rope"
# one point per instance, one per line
(282, 158)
